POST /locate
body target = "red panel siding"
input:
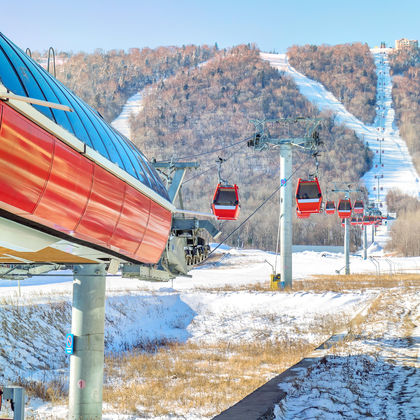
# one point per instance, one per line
(133, 221)
(46, 181)
(156, 234)
(25, 161)
(104, 207)
(68, 189)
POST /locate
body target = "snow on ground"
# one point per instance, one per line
(392, 163)
(375, 375)
(142, 313)
(131, 108)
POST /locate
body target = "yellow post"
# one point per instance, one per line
(274, 281)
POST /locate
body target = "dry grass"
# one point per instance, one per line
(191, 377)
(53, 391)
(329, 283)
(359, 282)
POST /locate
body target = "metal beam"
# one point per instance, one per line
(87, 362)
(176, 184)
(7, 96)
(174, 181)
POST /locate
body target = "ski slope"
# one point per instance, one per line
(392, 164)
(132, 107)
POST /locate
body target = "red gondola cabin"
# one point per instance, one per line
(308, 196)
(330, 207)
(344, 209)
(226, 202)
(358, 207)
(301, 215)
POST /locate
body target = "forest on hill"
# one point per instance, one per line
(206, 108)
(405, 71)
(105, 80)
(405, 231)
(347, 70)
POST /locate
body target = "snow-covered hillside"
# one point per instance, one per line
(392, 165)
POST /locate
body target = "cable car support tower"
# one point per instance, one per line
(347, 192)
(309, 142)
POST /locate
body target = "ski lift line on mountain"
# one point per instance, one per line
(255, 211)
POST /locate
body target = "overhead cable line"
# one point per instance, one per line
(212, 151)
(215, 165)
(257, 209)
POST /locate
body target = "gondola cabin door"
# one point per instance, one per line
(225, 204)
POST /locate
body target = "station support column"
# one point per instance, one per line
(87, 361)
(347, 245)
(364, 242)
(286, 231)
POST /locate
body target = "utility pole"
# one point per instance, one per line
(309, 142)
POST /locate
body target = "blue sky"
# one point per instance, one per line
(75, 25)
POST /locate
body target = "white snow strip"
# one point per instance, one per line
(392, 164)
(131, 108)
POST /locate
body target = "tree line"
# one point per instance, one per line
(347, 70)
(105, 80)
(405, 232)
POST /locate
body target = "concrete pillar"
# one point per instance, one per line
(364, 228)
(87, 362)
(347, 245)
(286, 214)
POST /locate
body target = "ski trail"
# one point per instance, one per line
(132, 107)
(392, 164)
